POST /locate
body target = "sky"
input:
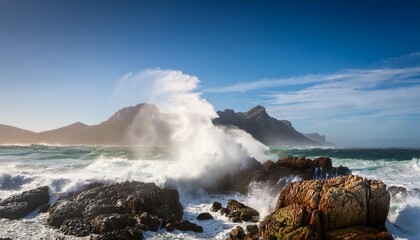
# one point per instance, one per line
(346, 69)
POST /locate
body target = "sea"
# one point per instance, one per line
(70, 168)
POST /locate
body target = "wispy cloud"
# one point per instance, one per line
(350, 104)
(367, 76)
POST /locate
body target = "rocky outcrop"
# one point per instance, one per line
(119, 211)
(330, 209)
(275, 173)
(237, 211)
(22, 204)
(264, 128)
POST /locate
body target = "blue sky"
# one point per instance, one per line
(347, 69)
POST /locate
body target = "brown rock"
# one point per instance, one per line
(237, 233)
(216, 206)
(358, 233)
(317, 207)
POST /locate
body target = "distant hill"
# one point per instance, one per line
(264, 128)
(318, 138)
(143, 124)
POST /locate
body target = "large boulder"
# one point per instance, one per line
(323, 207)
(22, 204)
(116, 211)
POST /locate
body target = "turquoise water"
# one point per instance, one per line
(68, 168)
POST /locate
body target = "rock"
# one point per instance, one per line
(119, 210)
(216, 206)
(110, 222)
(240, 212)
(76, 227)
(128, 233)
(252, 232)
(269, 165)
(289, 222)
(44, 208)
(169, 227)
(237, 233)
(204, 216)
(151, 222)
(185, 225)
(314, 208)
(22, 204)
(358, 232)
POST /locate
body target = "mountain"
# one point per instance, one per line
(263, 127)
(113, 131)
(144, 125)
(10, 135)
(318, 138)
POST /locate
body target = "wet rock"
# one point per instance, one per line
(237, 233)
(128, 233)
(252, 232)
(204, 216)
(44, 208)
(76, 227)
(216, 206)
(315, 207)
(185, 225)
(170, 227)
(238, 212)
(118, 210)
(111, 222)
(151, 222)
(22, 204)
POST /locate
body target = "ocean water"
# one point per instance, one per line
(68, 168)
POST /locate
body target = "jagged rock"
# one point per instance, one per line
(118, 210)
(151, 222)
(76, 227)
(315, 207)
(237, 233)
(252, 232)
(238, 212)
(216, 206)
(22, 204)
(110, 222)
(359, 233)
(204, 216)
(289, 222)
(128, 233)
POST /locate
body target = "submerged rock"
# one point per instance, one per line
(22, 204)
(118, 211)
(326, 208)
(204, 216)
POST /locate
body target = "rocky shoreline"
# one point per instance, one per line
(329, 203)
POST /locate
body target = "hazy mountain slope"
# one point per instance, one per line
(13, 135)
(264, 128)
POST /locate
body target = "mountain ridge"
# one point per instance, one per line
(119, 129)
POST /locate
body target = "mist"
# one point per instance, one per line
(201, 153)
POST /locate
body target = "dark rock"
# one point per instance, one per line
(204, 216)
(237, 233)
(240, 212)
(128, 233)
(358, 232)
(185, 225)
(111, 222)
(169, 227)
(76, 227)
(216, 206)
(22, 204)
(252, 232)
(151, 222)
(118, 210)
(269, 165)
(44, 208)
